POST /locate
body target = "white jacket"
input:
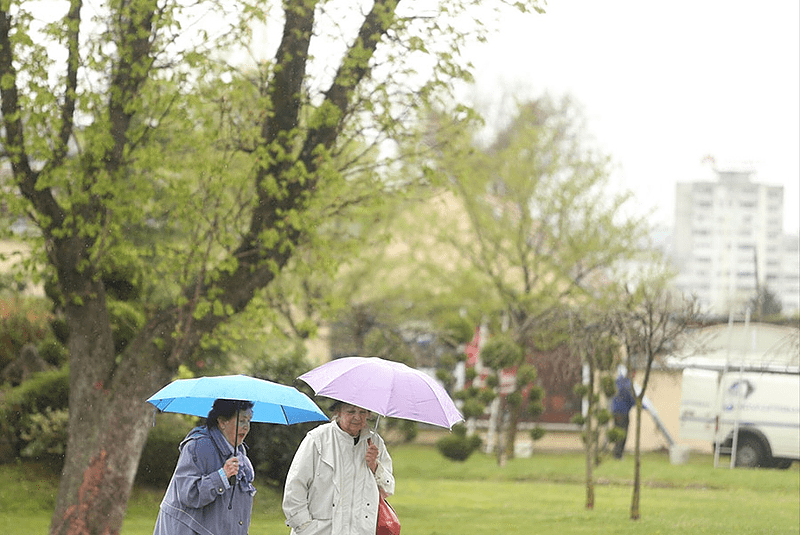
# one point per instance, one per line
(330, 490)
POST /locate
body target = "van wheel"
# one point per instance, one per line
(749, 452)
(782, 464)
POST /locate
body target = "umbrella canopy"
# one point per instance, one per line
(388, 388)
(272, 402)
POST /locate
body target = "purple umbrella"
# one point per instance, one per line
(388, 388)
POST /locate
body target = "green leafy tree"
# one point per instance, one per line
(528, 224)
(132, 141)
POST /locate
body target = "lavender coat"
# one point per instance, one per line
(198, 496)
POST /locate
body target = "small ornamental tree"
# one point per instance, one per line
(516, 396)
(592, 339)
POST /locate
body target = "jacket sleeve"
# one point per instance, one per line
(197, 484)
(630, 396)
(298, 483)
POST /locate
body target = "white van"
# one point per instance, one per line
(761, 407)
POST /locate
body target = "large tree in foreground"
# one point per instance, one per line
(142, 158)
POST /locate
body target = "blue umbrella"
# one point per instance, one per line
(272, 402)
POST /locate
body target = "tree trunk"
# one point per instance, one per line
(513, 422)
(501, 431)
(637, 461)
(108, 423)
(589, 468)
(588, 442)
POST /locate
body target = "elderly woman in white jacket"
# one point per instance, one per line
(337, 476)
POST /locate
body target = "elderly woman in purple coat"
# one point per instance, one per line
(211, 491)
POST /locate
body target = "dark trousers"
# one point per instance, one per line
(621, 421)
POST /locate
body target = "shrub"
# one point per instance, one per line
(46, 435)
(272, 448)
(53, 352)
(537, 433)
(43, 389)
(49, 389)
(409, 429)
(21, 322)
(457, 446)
(398, 430)
(160, 453)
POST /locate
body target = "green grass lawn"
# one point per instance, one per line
(544, 494)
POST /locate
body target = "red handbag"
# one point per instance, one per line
(388, 523)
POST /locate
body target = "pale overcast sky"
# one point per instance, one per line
(663, 84)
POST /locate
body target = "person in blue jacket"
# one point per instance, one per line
(621, 405)
(211, 491)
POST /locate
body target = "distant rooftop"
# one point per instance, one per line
(735, 177)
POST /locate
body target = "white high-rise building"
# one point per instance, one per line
(728, 242)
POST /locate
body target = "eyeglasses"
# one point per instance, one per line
(244, 420)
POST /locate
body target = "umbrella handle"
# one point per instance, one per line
(377, 421)
(235, 440)
(233, 490)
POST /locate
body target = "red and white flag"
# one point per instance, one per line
(473, 348)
